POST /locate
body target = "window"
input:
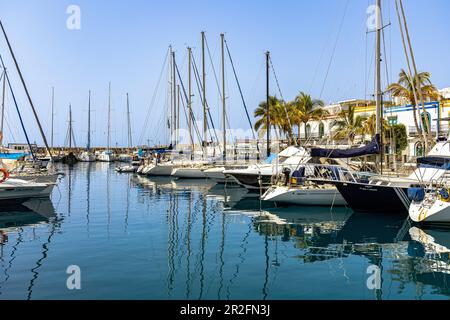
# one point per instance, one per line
(321, 130)
(308, 131)
(393, 121)
(426, 117)
(418, 149)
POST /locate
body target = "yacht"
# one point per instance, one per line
(298, 190)
(87, 156)
(434, 207)
(19, 191)
(106, 156)
(368, 192)
(259, 176)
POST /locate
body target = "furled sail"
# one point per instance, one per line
(372, 148)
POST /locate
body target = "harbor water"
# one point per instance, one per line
(134, 237)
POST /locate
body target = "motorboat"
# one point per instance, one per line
(19, 191)
(126, 169)
(69, 159)
(125, 158)
(106, 156)
(87, 156)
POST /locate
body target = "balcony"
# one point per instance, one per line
(412, 130)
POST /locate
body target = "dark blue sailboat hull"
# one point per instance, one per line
(373, 198)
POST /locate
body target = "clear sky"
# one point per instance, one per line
(125, 42)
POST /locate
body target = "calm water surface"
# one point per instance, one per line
(158, 238)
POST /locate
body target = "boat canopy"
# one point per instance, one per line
(372, 148)
(434, 162)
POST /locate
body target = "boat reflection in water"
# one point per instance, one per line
(161, 238)
(20, 225)
(410, 259)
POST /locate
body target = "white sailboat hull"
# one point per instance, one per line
(439, 211)
(304, 197)
(189, 173)
(158, 170)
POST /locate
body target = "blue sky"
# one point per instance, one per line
(125, 42)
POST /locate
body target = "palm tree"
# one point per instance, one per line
(305, 109)
(370, 126)
(278, 113)
(274, 115)
(404, 88)
(348, 125)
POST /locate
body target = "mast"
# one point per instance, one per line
(190, 100)
(378, 91)
(224, 127)
(70, 126)
(53, 116)
(170, 77)
(89, 123)
(3, 107)
(178, 112)
(174, 101)
(130, 138)
(205, 124)
(267, 104)
(109, 116)
(44, 138)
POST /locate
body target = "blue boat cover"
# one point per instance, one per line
(271, 158)
(372, 148)
(12, 156)
(416, 194)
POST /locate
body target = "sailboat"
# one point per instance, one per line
(259, 176)
(157, 164)
(18, 190)
(128, 157)
(70, 158)
(193, 169)
(108, 155)
(368, 192)
(299, 189)
(87, 155)
(431, 201)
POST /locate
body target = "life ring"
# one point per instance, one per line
(5, 175)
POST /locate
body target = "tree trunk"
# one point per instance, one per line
(306, 133)
(416, 76)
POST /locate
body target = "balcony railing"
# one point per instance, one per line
(444, 129)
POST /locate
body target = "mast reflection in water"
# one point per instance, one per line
(158, 238)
